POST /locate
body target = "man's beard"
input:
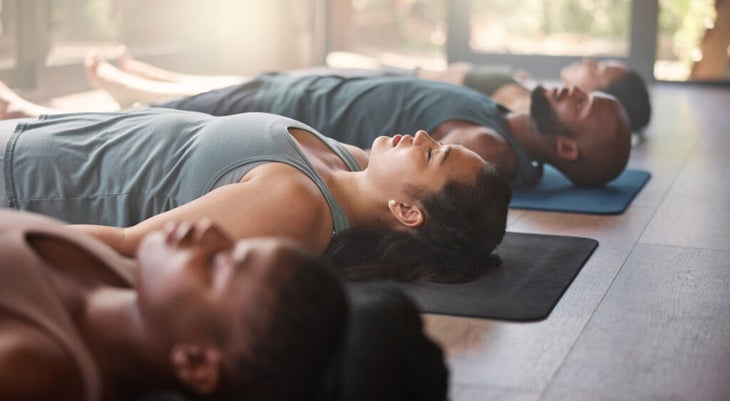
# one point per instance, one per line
(545, 117)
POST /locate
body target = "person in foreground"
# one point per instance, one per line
(412, 208)
(196, 314)
(385, 354)
(585, 136)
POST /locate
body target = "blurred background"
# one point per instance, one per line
(43, 42)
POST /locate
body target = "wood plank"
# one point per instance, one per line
(661, 333)
(687, 223)
(614, 231)
(482, 393)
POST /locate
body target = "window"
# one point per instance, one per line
(43, 42)
(405, 33)
(686, 46)
(559, 28)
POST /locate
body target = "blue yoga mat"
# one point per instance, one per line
(556, 193)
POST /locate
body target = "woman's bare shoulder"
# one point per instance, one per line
(293, 205)
(33, 366)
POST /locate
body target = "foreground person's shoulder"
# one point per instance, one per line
(34, 366)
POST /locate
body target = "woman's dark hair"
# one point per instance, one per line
(463, 225)
(630, 90)
(385, 356)
(299, 336)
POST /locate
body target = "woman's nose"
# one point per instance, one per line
(421, 137)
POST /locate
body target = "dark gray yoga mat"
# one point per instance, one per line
(535, 272)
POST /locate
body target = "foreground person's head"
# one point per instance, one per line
(614, 78)
(254, 319)
(445, 210)
(589, 133)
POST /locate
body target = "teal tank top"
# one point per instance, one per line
(121, 168)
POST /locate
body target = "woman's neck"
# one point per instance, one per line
(363, 204)
(348, 187)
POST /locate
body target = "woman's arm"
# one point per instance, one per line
(112, 236)
(273, 200)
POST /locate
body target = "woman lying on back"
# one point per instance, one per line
(411, 208)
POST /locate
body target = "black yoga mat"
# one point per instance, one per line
(554, 192)
(535, 272)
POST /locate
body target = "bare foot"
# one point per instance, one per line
(132, 66)
(129, 89)
(14, 106)
(126, 89)
(201, 83)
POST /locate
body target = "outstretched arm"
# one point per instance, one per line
(273, 200)
(115, 237)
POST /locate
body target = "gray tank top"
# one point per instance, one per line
(121, 168)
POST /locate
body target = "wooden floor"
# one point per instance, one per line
(648, 317)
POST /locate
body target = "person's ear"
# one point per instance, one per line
(409, 215)
(198, 368)
(567, 148)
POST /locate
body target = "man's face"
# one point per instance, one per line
(590, 75)
(570, 112)
(545, 117)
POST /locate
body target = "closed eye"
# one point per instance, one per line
(429, 153)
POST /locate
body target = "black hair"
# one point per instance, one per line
(544, 115)
(386, 355)
(300, 334)
(463, 225)
(630, 90)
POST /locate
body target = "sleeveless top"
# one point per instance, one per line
(27, 294)
(121, 168)
(358, 110)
